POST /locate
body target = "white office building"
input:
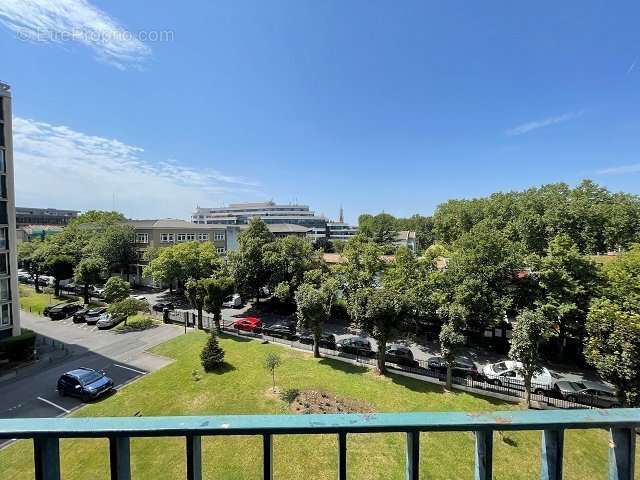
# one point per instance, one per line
(269, 212)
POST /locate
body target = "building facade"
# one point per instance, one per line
(334, 231)
(9, 301)
(269, 212)
(43, 216)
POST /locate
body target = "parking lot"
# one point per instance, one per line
(123, 357)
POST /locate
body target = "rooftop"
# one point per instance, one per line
(171, 223)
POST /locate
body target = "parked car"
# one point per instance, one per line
(248, 324)
(463, 367)
(89, 315)
(140, 297)
(327, 340)
(280, 330)
(587, 393)
(24, 278)
(507, 374)
(98, 292)
(400, 355)
(232, 301)
(48, 308)
(84, 383)
(64, 310)
(356, 346)
(108, 320)
(160, 306)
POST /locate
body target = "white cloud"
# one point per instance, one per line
(59, 167)
(634, 168)
(546, 122)
(60, 21)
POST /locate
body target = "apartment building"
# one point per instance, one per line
(43, 216)
(165, 232)
(9, 301)
(269, 212)
(334, 231)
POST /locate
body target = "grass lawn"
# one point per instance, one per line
(31, 301)
(241, 389)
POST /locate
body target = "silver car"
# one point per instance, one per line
(108, 320)
(588, 393)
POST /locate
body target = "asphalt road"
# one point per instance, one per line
(122, 356)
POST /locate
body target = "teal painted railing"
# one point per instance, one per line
(46, 432)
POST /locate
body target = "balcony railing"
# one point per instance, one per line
(46, 433)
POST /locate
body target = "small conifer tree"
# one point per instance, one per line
(212, 355)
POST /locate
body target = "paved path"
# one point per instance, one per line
(123, 356)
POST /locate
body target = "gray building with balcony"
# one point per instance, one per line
(9, 301)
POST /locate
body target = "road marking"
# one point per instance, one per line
(141, 372)
(54, 404)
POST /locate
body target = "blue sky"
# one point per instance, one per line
(393, 106)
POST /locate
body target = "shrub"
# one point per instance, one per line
(289, 395)
(212, 355)
(19, 347)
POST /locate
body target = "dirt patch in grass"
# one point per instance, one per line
(320, 401)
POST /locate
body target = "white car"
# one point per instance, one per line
(140, 297)
(507, 373)
(108, 320)
(232, 301)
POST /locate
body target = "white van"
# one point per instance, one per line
(232, 301)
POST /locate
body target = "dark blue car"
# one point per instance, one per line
(84, 383)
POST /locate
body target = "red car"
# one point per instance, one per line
(248, 324)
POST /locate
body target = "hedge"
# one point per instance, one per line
(19, 347)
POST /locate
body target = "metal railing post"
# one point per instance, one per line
(119, 458)
(484, 455)
(413, 456)
(551, 455)
(342, 456)
(194, 457)
(46, 453)
(622, 447)
(267, 456)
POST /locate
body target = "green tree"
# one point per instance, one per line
(128, 307)
(59, 266)
(271, 362)
(195, 291)
(116, 245)
(116, 289)
(216, 290)
(183, 261)
(212, 355)
(451, 338)
(362, 267)
(31, 259)
(313, 303)
(379, 313)
(287, 259)
(528, 335)
(568, 280)
(97, 217)
(380, 229)
(87, 272)
(248, 264)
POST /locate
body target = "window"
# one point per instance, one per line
(4, 236)
(221, 249)
(5, 314)
(3, 163)
(4, 218)
(4, 264)
(218, 236)
(5, 292)
(191, 237)
(142, 237)
(166, 237)
(203, 237)
(181, 237)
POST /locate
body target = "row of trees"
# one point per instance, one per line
(595, 219)
(92, 246)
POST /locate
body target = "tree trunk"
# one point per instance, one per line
(171, 286)
(86, 293)
(216, 319)
(382, 366)
(56, 287)
(257, 296)
(273, 377)
(527, 391)
(200, 318)
(562, 335)
(316, 345)
(37, 279)
(449, 384)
